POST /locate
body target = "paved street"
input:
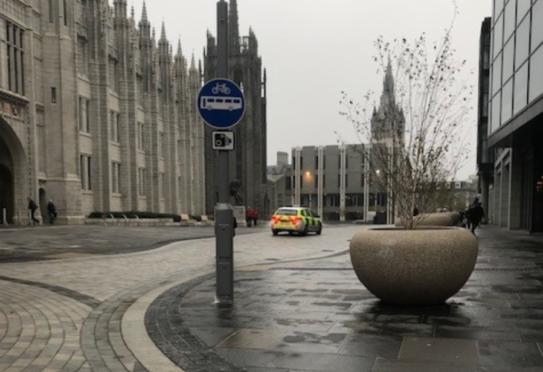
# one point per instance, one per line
(46, 242)
(47, 305)
(298, 307)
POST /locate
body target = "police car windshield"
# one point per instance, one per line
(287, 212)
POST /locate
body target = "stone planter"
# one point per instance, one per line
(432, 219)
(414, 267)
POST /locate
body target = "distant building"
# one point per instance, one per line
(96, 113)
(279, 184)
(332, 180)
(248, 161)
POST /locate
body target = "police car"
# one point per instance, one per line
(295, 219)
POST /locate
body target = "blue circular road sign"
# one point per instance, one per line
(221, 103)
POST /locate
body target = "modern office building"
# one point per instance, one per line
(96, 113)
(515, 131)
(248, 161)
(333, 181)
(485, 157)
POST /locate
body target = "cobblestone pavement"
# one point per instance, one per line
(314, 315)
(87, 313)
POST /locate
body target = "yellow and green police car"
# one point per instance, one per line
(295, 220)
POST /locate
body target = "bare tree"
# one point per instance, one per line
(417, 137)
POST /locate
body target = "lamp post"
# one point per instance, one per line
(376, 185)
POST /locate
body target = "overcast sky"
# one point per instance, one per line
(314, 49)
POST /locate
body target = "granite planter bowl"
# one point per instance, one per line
(431, 219)
(425, 266)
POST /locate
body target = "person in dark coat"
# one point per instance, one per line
(475, 214)
(32, 206)
(52, 211)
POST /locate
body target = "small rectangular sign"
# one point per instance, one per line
(223, 140)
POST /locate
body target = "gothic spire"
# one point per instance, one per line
(144, 13)
(163, 32)
(192, 62)
(233, 27)
(179, 50)
(388, 83)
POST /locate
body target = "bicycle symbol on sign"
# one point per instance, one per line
(220, 88)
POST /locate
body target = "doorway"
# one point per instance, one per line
(6, 195)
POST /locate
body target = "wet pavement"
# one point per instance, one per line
(46, 242)
(298, 306)
(314, 315)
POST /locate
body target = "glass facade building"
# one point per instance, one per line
(517, 58)
(515, 107)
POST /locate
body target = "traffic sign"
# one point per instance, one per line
(221, 103)
(223, 140)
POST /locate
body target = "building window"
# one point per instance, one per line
(323, 181)
(51, 11)
(141, 181)
(498, 36)
(65, 8)
(521, 89)
(316, 161)
(82, 56)
(161, 144)
(346, 181)
(522, 8)
(362, 180)
(316, 181)
(536, 77)
(508, 59)
(85, 172)
(522, 48)
(161, 185)
(140, 136)
(115, 178)
(84, 106)
(346, 162)
(114, 127)
(339, 180)
(324, 162)
(288, 182)
(301, 162)
(53, 95)
(537, 25)
(15, 58)
(509, 20)
(293, 162)
(497, 75)
(339, 161)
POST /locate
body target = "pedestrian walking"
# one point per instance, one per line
(475, 214)
(52, 211)
(32, 206)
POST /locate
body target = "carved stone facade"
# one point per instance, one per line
(248, 162)
(96, 113)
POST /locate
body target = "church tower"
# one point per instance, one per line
(388, 121)
(248, 161)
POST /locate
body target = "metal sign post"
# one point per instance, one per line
(221, 105)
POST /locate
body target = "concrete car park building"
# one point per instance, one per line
(515, 122)
(96, 113)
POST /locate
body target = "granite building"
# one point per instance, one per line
(248, 161)
(96, 113)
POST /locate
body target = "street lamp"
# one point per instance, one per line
(377, 172)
